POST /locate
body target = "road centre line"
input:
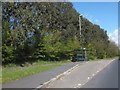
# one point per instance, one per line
(88, 79)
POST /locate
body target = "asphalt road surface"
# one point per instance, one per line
(38, 79)
(95, 74)
(92, 74)
(107, 78)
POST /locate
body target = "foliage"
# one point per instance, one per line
(49, 31)
(10, 73)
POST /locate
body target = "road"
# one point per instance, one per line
(38, 79)
(95, 74)
(107, 78)
(91, 74)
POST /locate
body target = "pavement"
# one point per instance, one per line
(95, 74)
(40, 78)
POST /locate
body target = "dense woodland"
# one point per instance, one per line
(49, 31)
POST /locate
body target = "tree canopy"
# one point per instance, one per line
(33, 31)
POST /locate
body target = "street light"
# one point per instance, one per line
(80, 25)
(80, 31)
(83, 49)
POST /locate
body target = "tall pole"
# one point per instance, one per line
(80, 26)
(80, 31)
(81, 37)
(80, 34)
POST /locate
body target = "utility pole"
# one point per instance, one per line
(81, 42)
(80, 27)
(80, 32)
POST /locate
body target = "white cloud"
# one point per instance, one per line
(114, 36)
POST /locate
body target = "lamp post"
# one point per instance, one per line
(80, 32)
(80, 26)
(83, 49)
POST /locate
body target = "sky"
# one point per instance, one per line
(104, 14)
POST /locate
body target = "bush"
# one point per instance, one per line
(91, 57)
(7, 54)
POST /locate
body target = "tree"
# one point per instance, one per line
(49, 31)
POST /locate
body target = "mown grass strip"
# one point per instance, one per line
(9, 75)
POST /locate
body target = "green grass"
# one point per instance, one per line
(105, 58)
(16, 72)
(109, 58)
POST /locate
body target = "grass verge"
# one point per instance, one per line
(109, 58)
(15, 73)
(105, 59)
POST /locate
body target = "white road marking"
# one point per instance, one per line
(79, 84)
(93, 74)
(88, 78)
(53, 79)
(87, 61)
(97, 71)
